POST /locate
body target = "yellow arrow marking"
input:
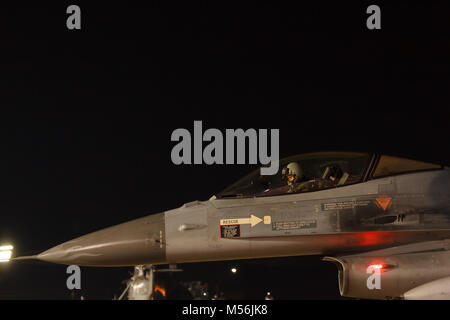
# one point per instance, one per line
(252, 221)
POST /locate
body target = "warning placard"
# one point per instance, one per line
(344, 205)
(289, 225)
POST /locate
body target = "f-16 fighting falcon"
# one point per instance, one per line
(383, 220)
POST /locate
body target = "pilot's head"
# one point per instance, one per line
(293, 173)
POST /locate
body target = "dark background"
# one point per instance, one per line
(86, 117)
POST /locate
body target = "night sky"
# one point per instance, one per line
(86, 117)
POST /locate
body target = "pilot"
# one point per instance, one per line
(293, 173)
(298, 182)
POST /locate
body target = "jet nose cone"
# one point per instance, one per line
(137, 242)
(70, 253)
(54, 254)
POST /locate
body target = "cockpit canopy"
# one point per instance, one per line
(318, 171)
(303, 173)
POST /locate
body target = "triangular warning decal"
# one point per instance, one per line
(384, 202)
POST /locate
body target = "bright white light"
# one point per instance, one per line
(234, 270)
(5, 248)
(5, 253)
(5, 256)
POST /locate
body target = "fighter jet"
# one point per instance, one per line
(383, 220)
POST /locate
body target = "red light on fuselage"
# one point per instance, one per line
(377, 266)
